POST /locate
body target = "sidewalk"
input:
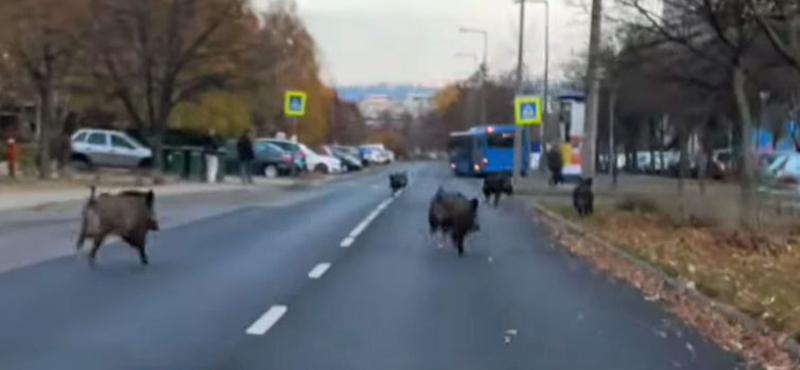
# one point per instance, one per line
(536, 184)
(32, 195)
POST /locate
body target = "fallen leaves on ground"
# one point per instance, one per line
(757, 348)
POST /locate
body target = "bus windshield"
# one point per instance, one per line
(460, 146)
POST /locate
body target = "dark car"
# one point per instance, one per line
(271, 161)
(293, 149)
(352, 163)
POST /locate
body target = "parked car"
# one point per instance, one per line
(389, 154)
(271, 161)
(373, 154)
(784, 171)
(320, 163)
(350, 162)
(721, 164)
(298, 156)
(109, 148)
(351, 150)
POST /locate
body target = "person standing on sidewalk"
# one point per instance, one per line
(246, 157)
(212, 157)
(555, 164)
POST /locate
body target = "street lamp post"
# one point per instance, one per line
(546, 97)
(469, 112)
(520, 59)
(483, 67)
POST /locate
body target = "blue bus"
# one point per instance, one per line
(483, 150)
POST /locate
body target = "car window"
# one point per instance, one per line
(119, 142)
(80, 138)
(97, 138)
(266, 147)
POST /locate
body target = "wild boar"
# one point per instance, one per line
(453, 214)
(497, 184)
(583, 197)
(397, 181)
(129, 215)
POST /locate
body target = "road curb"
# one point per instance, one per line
(559, 223)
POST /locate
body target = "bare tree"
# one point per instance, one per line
(153, 54)
(41, 38)
(721, 33)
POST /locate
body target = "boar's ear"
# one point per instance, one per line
(150, 198)
(474, 204)
(589, 182)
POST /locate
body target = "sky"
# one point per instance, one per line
(416, 41)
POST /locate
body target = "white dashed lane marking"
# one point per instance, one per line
(351, 238)
(347, 242)
(267, 320)
(319, 270)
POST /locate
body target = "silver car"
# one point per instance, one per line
(108, 148)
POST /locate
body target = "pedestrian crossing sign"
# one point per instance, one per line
(295, 104)
(527, 110)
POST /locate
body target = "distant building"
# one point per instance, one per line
(372, 108)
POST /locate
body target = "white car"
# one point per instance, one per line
(321, 163)
(376, 154)
(108, 148)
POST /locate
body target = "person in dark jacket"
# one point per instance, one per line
(246, 157)
(555, 164)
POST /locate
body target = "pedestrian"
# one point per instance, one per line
(246, 157)
(212, 157)
(555, 164)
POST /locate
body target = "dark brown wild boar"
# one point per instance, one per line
(129, 215)
(453, 214)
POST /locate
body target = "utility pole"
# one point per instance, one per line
(483, 68)
(588, 146)
(518, 129)
(612, 148)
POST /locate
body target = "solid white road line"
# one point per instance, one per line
(267, 320)
(347, 242)
(319, 270)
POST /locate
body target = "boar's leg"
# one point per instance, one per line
(81, 237)
(496, 198)
(97, 243)
(458, 240)
(138, 241)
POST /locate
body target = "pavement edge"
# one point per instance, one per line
(556, 222)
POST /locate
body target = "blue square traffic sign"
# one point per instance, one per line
(294, 104)
(527, 110)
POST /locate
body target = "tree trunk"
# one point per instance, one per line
(662, 127)
(702, 158)
(588, 146)
(45, 133)
(683, 158)
(746, 182)
(651, 136)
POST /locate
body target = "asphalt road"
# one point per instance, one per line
(251, 288)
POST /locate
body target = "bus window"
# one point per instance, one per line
(500, 140)
(460, 146)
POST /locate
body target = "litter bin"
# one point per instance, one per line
(174, 161)
(197, 165)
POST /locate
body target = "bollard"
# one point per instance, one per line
(11, 157)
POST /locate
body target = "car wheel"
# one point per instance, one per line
(270, 171)
(321, 168)
(146, 163)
